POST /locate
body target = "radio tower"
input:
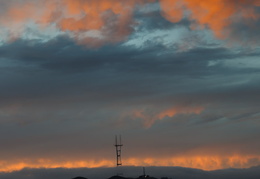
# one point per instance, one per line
(118, 146)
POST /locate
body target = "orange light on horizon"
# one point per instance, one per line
(198, 162)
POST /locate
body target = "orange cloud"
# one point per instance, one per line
(108, 21)
(199, 162)
(174, 111)
(7, 166)
(150, 117)
(89, 22)
(218, 15)
(95, 23)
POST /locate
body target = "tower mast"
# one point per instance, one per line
(118, 146)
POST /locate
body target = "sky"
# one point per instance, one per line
(179, 80)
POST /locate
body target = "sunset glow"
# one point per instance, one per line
(199, 162)
(178, 80)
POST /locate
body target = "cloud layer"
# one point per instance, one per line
(188, 103)
(96, 23)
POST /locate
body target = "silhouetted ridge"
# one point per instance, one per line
(79, 178)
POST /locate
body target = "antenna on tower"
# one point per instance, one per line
(118, 146)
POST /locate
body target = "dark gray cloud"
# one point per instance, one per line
(58, 90)
(246, 31)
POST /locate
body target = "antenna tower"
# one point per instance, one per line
(118, 146)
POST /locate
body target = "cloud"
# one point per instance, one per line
(96, 23)
(90, 23)
(56, 97)
(61, 103)
(153, 114)
(111, 21)
(202, 162)
(219, 16)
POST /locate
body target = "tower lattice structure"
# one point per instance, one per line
(118, 145)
